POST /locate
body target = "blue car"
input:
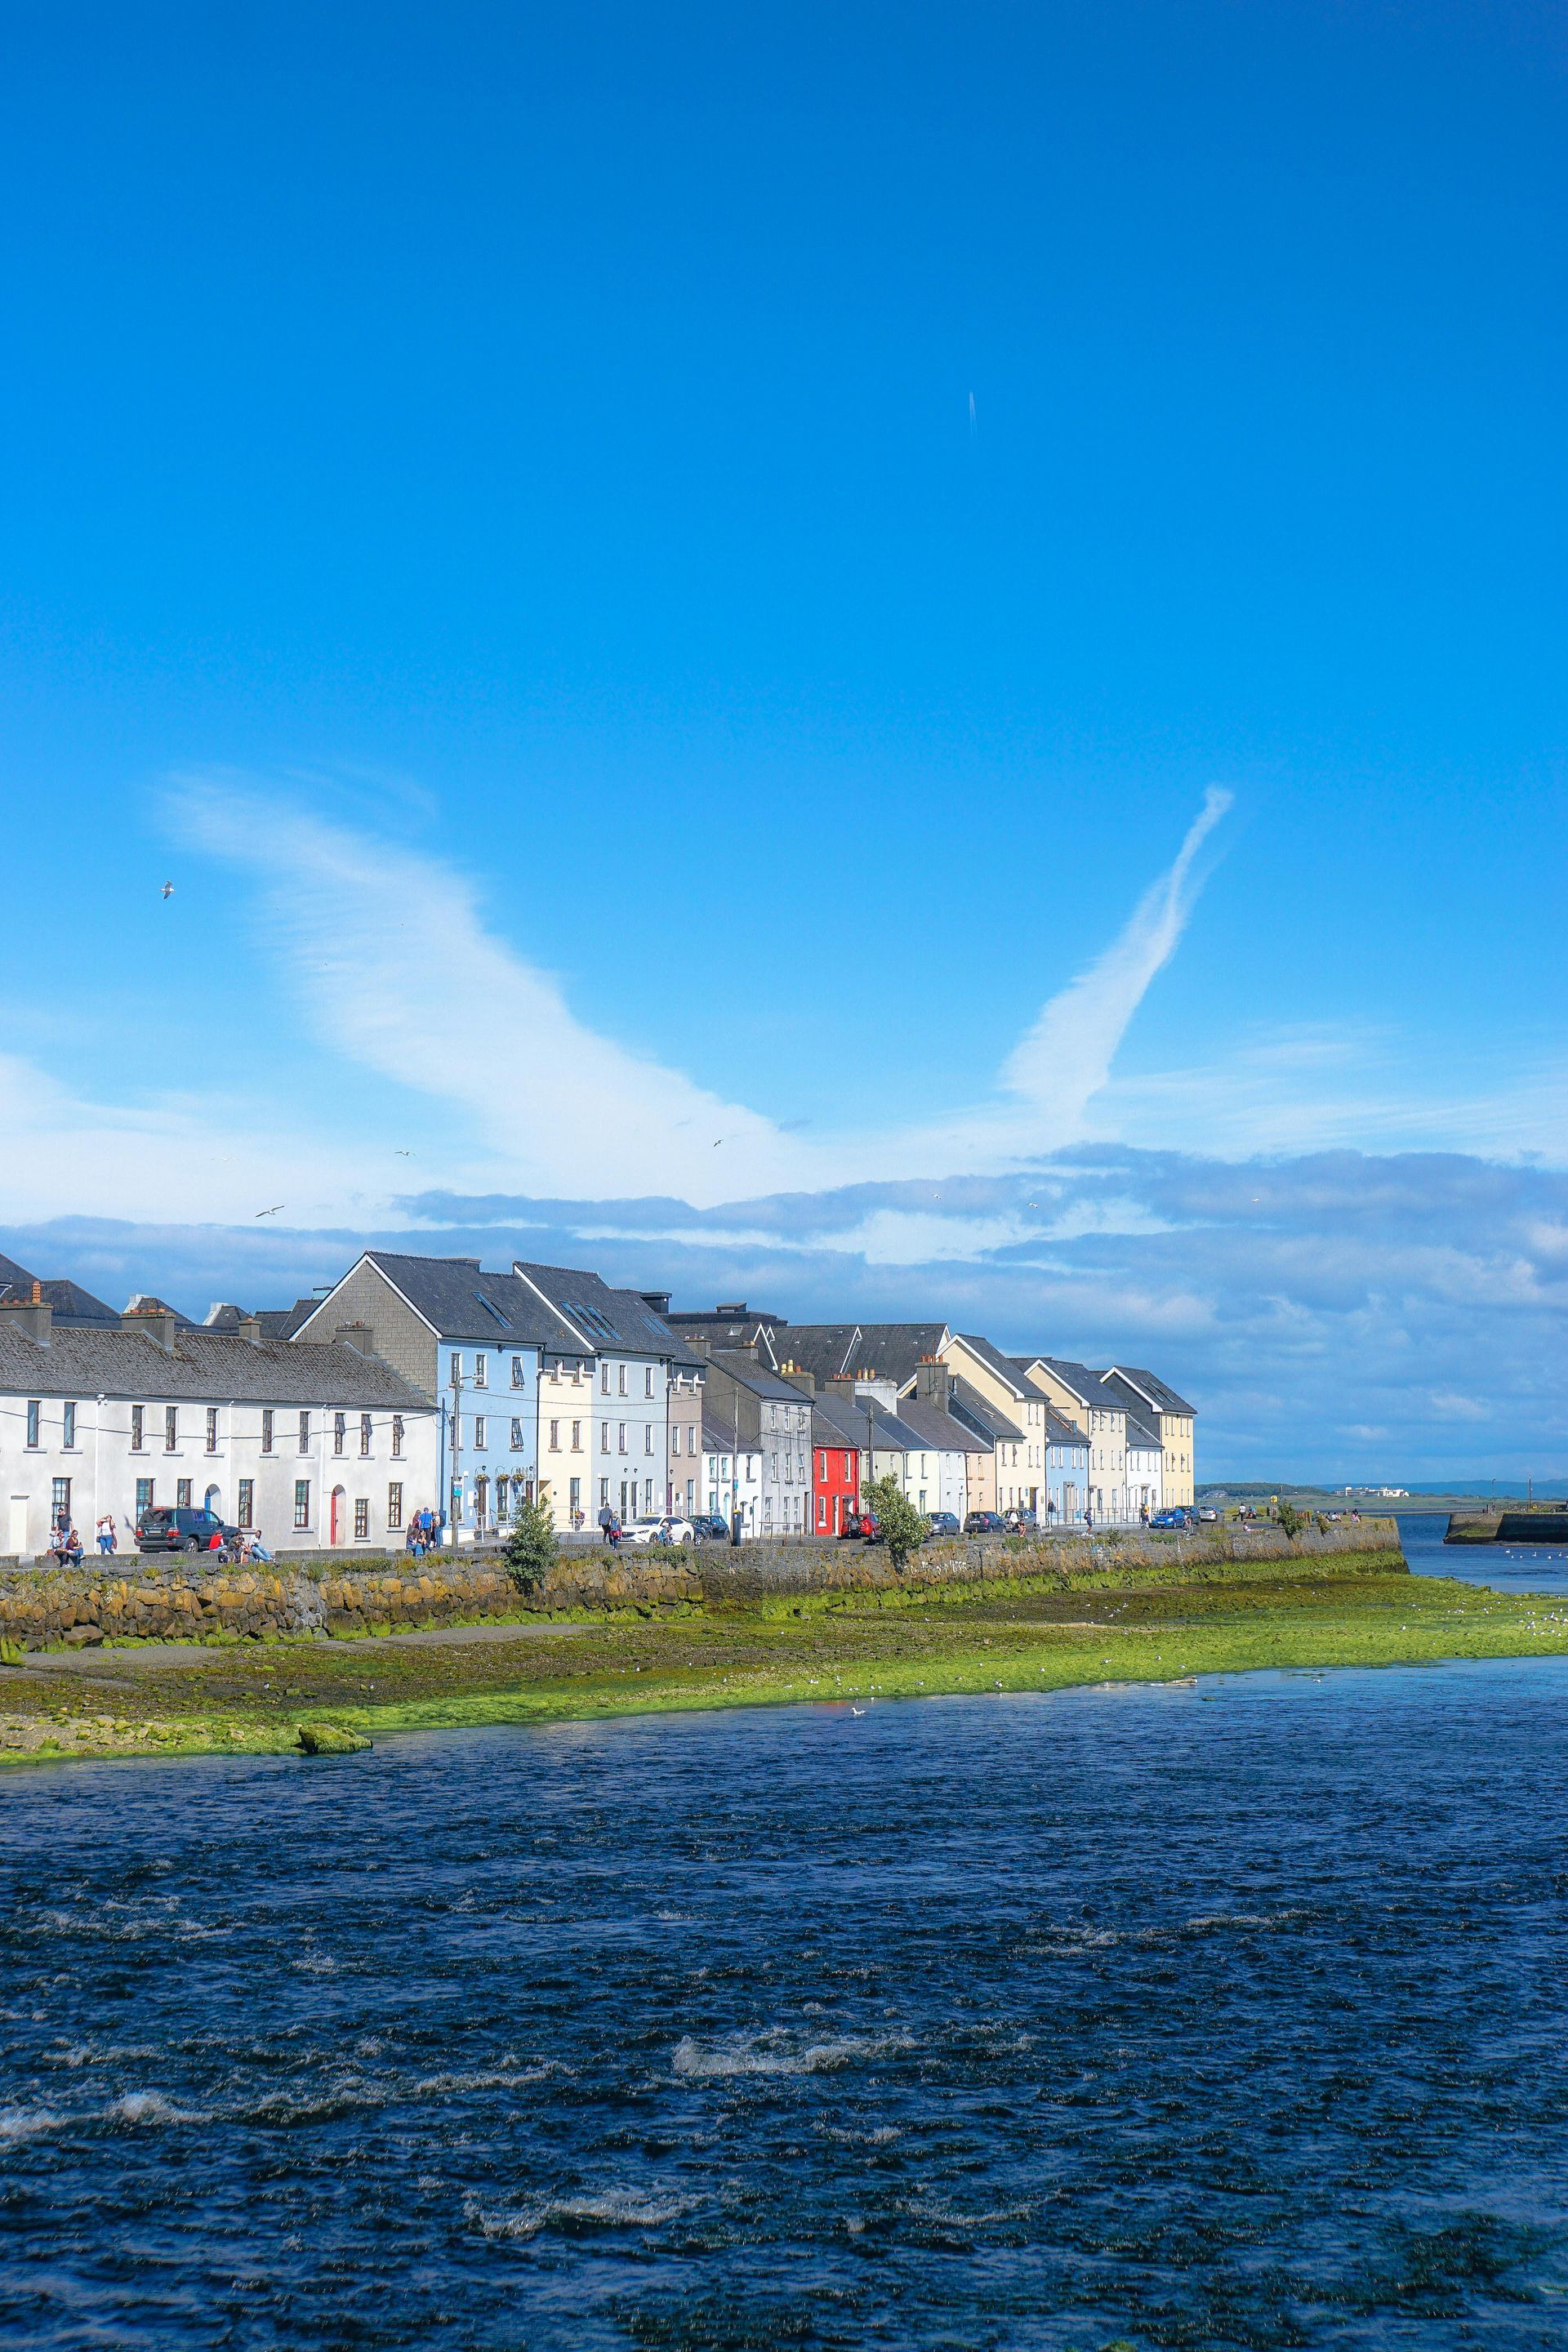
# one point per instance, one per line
(1170, 1519)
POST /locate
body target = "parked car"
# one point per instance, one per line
(657, 1531)
(861, 1526)
(160, 1529)
(984, 1523)
(1208, 1515)
(711, 1527)
(1022, 1522)
(1171, 1519)
(943, 1523)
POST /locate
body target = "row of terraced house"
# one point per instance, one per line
(417, 1383)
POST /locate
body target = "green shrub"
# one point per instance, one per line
(1290, 1518)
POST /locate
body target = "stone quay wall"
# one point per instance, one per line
(171, 1599)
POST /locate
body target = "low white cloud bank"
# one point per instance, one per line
(1331, 1314)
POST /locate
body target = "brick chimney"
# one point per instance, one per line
(358, 1336)
(804, 1381)
(933, 1382)
(32, 1317)
(250, 1327)
(156, 1323)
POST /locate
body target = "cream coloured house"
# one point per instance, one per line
(1018, 1417)
(1081, 1397)
(1175, 1422)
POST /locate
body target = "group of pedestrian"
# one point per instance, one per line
(67, 1546)
(610, 1528)
(424, 1533)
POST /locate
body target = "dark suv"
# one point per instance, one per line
(984, 1523)
(182, 1530)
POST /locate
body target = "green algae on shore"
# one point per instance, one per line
(255, 1698)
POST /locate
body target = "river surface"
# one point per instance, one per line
(1226, 2014)
(1506, 1568)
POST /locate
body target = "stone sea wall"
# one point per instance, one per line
(171, 1599)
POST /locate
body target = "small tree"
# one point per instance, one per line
(901, 1526)
(1289, 1517)
(531, 1547)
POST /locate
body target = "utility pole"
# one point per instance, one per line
(455, 1481)
(735, 1464)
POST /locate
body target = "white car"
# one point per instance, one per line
(647, 1532)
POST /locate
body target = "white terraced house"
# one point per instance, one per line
(314, 1448)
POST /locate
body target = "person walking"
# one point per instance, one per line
(607, 1520)
(107, 1540)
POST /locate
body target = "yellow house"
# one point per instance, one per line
(1176, 1421)
(1080, 1398)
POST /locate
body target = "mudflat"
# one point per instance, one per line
(256, 1697)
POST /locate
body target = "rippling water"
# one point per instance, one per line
(1505, 1568)
(1227, 2015)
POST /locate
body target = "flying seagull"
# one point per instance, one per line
(272, 1211)
(168, 889)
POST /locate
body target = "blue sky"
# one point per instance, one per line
(748, 541)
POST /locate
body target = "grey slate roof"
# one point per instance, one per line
(834, 1350)
(942, 1432)
(1154, 1392)
(607, 1319)
(83, 1361)
(736, 1327)
(1142, 1422)
(282, 1322)
(73, 1304)
(461, 1302)
(1062, 1433)
(1074, 1376)
(744, 1369)
(891, 1434)
(70, 1302)
(834, 1420)
(988, 1419)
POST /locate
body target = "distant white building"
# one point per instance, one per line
(315, 1448)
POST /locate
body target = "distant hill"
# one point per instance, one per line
(1550, 1486)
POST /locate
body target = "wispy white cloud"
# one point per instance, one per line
(391, 956)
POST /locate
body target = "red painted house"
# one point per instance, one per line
(838, 1436)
